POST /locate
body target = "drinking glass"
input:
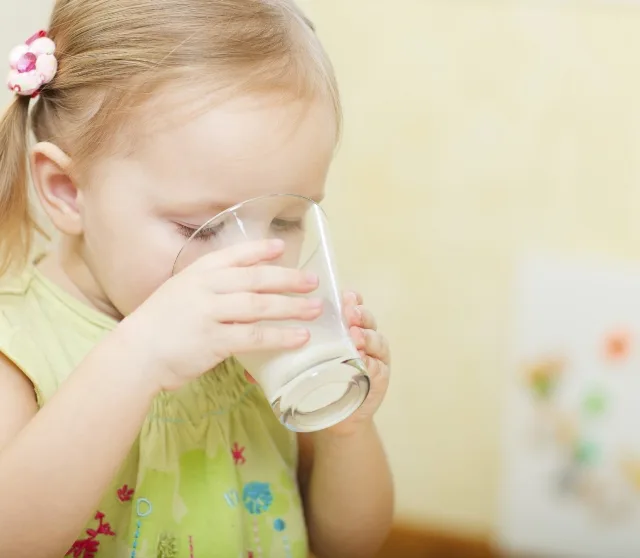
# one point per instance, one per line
(325, 381)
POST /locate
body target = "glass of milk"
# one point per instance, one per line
(324, 382)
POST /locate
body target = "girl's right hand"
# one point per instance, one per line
(213, 310)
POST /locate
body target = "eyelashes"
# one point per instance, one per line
(281, 226)
(285, 225)
(204, 234)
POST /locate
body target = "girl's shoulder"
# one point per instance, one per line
(16, 318)
(41, 331)
(16, 307)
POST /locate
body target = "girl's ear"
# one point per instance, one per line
(58, 194)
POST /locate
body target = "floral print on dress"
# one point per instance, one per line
(89, 546)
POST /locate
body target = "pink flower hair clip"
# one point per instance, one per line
(33, 65)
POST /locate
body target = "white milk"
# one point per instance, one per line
(274, 370)
(317, 385)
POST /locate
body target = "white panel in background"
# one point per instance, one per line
(571, 475)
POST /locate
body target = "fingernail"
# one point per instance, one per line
(315, 303)
(301, 334)
(276, 245)
(311, 279)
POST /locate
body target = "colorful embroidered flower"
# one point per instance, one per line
(167, 546)
(238, 454)
(87, 548)
(257, 497)
(125, 493)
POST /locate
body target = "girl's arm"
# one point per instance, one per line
(56, 464)
(348, 493)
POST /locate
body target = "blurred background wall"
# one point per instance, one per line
(477, 131)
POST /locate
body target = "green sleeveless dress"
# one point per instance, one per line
(212, 473)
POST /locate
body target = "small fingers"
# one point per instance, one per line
(376, 367)
(372, 343)
(352, 298)
(244, 254)
(248, 338)
(253, 307)
(361, 317)
(357, 334)
(264, 279)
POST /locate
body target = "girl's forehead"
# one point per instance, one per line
(243, 148)
(235, 151)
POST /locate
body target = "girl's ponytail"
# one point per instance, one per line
(16, 221)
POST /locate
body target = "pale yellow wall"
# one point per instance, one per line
(475, 132)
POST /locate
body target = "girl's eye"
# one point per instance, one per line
(285, 225)
(205, 233)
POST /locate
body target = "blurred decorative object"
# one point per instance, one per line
(578, 494)
(595, 402)
(543, 376)
(631, 470)
(617, 345)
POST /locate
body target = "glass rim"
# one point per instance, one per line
(235, 208)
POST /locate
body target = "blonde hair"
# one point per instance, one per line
(114, 55)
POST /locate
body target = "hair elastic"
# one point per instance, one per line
(33, 65)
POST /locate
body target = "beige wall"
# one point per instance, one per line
(475, 131)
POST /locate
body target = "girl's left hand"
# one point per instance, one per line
(374, 350)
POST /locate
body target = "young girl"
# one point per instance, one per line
(151, 116)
